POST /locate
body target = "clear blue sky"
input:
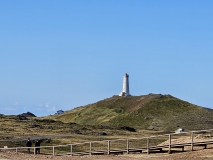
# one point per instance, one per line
(62, 54)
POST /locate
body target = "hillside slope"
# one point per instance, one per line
(153, 111)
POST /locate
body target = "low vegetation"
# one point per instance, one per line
(112, 118)
(152, 112)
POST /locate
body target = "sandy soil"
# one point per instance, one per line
(200, 154)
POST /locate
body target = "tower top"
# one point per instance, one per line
(126, 75)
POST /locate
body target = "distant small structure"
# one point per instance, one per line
(179, 130)
(59, 112)
(125, 89)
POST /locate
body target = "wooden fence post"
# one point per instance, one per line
(53, 150)
(71, 149)
(148, 145)
(90, 148)
(108, 147)
(34, 150)
(169, 144)
(127, 146)
(192, 140)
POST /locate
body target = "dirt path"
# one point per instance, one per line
(206, 154)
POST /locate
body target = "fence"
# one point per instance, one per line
(167, 142)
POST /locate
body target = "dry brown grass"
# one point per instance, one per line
(13, 128)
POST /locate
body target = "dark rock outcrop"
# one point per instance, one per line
(25, 116)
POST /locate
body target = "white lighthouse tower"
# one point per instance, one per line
(125, 89)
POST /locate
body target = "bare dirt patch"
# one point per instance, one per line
(198, 154)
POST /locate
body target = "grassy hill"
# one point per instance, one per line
(153, 111)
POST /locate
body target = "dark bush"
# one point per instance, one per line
(127, 128)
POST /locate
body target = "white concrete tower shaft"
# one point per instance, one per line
(125, 89)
